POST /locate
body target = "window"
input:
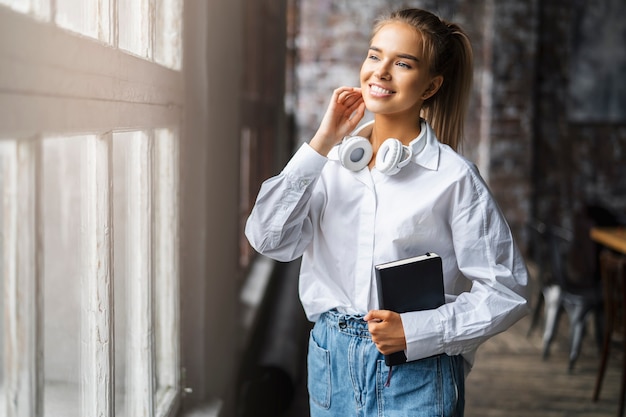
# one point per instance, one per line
(89, 187)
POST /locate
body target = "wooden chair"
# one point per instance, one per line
(613, 274)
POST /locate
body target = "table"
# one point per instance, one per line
(613, 281)
(611, 237)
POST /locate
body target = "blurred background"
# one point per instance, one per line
(134, 136)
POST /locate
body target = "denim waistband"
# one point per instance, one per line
(346, 323)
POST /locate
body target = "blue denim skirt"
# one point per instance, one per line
(347, 376)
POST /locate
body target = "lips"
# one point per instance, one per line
(379, 91)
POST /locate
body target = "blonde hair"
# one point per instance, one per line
(448, 51)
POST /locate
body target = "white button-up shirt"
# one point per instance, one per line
(343, 223)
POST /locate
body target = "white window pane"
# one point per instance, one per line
(21, 272)
(168, 33)
(166, 262)
(78, 15)
(140, 285)
(96, 279)
(133, 274)
(120, 221)
(22, 6)
(134, 27)
(2, 283)
(37, 8)
(61, 275)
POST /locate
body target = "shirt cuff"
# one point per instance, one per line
(305, 163)
(423, 331)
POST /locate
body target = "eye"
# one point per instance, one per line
(403, 65)
(372, 57)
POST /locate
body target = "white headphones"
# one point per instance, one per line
(355, 153)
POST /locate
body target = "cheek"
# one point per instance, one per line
(415, 89)
(367, 68)
(363, 74)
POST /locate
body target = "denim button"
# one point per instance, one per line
(342, 325)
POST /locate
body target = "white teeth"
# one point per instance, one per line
(379, 90)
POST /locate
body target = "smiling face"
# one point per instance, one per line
(394, 76)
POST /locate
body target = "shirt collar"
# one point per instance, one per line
(425, 146)
(428, 157)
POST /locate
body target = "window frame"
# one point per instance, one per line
(67, 85)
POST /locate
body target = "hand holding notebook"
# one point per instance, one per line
(410, 284)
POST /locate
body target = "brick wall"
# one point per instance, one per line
(538, 159)
(512, 107)
(332, 42)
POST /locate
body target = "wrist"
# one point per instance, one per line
(323, 143)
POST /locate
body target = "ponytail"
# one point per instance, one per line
(449, 53)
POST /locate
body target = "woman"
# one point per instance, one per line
(346, 205)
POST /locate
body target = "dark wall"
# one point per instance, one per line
(544, 150)
(510, 37)
(332, 41)
(580, 119)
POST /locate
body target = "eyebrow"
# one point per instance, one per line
(404, 56)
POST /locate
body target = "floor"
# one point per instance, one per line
(510, 379)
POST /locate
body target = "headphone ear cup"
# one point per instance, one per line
(389, 156)
(355, 153)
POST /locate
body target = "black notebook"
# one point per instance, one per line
(410, 284)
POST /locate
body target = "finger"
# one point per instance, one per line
(353, 102)
(348, 92)
(373, 315)
(342, 90)
(346, 98)
(358, 112)
(337, 95)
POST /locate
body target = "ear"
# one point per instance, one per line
(433, 87)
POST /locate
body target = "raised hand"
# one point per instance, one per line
(345, 110)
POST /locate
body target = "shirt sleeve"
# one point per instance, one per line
(279, 226)
(487, 255)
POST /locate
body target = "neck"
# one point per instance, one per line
(385, 127)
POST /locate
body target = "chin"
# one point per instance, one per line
(376, 109)
(373, 106)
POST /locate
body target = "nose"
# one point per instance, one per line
(382, 71)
